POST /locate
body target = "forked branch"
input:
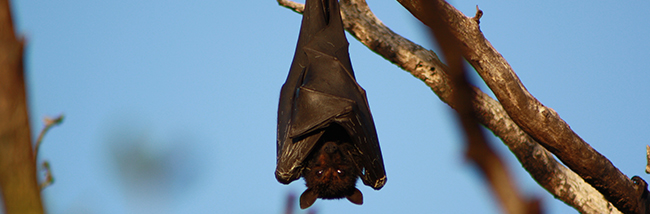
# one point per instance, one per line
(540, 122)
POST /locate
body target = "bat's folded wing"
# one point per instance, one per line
(316, 110)
(328, 93)
(321, 98)
(313, 111)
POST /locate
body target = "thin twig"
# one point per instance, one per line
(49, 123)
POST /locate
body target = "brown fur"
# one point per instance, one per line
(330, 173)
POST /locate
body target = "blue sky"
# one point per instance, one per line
(171, 106)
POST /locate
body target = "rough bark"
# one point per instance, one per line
(561, 182)
(20, 189)
(540, 122)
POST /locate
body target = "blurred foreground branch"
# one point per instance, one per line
(478, 150)
(20, 189)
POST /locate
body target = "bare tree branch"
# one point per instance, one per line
(539, 121)
(296, 7)
(18, 183)
(561, 182)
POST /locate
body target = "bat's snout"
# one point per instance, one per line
(330, 147)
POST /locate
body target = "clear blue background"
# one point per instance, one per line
(171, 105)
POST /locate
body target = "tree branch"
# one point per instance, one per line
(539, 121)
(561, 182)
(18, 183)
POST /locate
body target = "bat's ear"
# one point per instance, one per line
(355, 198)
(308, 198)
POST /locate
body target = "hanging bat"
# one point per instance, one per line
(325, 130)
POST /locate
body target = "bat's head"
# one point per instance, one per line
(331, 174)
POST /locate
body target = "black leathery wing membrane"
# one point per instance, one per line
(321, 90)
